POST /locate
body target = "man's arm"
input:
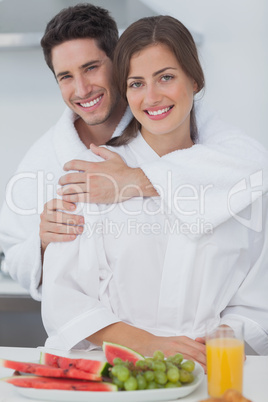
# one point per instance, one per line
(106, 182)
(190, 183)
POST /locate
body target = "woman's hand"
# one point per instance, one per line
(191, 349)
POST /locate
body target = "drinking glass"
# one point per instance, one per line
(225, 359)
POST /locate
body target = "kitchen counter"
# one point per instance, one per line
(10, 287)
(20, 316)
(255, 376)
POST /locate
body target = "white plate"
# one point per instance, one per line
(121, 396)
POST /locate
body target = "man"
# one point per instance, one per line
(78, 46)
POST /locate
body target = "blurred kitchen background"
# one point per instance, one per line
(232, 39)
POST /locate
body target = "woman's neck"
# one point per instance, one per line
(164, 144)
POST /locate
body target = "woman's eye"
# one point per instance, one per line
(135, 85)
(166, 77)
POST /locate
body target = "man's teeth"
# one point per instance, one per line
(92, 103)
(160, 111)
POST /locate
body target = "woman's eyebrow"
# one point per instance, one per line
(154, 74)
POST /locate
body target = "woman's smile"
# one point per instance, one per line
(160, 95)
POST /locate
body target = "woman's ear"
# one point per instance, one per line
(195, 87)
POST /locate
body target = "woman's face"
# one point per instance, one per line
(160, 96)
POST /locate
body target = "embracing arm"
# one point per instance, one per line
(197, 178)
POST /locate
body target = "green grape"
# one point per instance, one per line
(152, 385)
(149, 375)
(160, 377)
(158, 355)
(158, 365)
(142, 383)
(117, 382)
(177, 358)
(173, 374)
(117, 360)
(170, 365)
(123, 373)
(188, 365)
(170, 385)
(131, 384)
(185, 376)
(114, 370)
(149, 361)
(141, 364)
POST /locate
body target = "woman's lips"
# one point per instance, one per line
(158, 113)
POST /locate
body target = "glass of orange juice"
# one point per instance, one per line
(225, 359)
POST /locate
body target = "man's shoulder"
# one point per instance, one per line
(43, 152)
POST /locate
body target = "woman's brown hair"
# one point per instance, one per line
(145, 32)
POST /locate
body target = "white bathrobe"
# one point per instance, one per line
(223, 158)
(137, 262)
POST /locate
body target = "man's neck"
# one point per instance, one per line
(99, 134)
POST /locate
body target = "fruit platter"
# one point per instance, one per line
(57, 378)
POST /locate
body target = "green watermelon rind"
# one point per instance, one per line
(135, 355)
(104, 386)
(103, 369)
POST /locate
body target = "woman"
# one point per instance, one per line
(138, 276)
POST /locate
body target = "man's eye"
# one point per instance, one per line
(90, 68)
(64, 77)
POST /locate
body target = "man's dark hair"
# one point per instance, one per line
(79, 22)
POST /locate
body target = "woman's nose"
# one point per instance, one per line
(152, 95)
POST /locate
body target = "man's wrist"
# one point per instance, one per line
(140, 185)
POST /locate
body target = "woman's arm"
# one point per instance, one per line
(147, 343)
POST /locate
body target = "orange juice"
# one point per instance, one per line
(225, 360)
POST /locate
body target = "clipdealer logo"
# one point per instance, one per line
(254, 221)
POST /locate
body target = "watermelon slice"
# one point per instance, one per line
(47, 371)
(90, 366)
(59, 383)
(113, 350)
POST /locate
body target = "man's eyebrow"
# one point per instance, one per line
(154, 74)
(88, 64)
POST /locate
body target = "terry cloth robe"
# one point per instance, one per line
(221, 149)
(34, 183)
(139, 263)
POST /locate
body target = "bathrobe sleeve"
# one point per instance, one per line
(75, 276)
(26, 193)
(211, 178)
(250, 303)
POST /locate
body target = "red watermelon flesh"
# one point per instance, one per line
(113, 350)
(47, 371)
(90, 366)
(59, 383)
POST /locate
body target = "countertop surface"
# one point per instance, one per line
(10, 287)
(255, 376)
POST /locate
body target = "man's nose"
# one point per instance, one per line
(82, 87)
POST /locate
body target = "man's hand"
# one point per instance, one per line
(104, 182)
(58, 226)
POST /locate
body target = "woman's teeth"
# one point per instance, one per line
(160, 111)
(92, 103)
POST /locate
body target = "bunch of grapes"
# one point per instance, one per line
(152, 373)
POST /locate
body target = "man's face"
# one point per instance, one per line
(84, 75)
